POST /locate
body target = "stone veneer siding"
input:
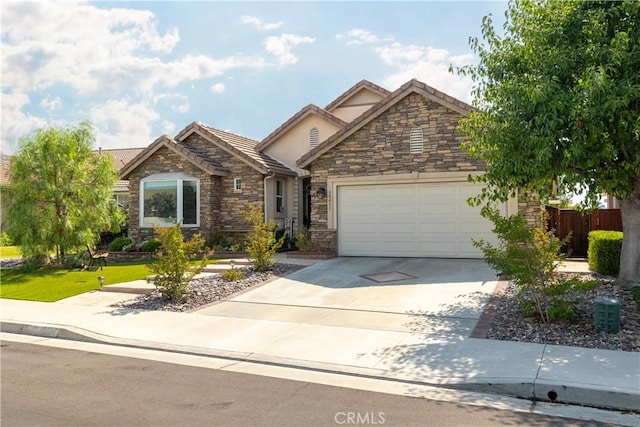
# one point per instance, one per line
(382, 148)
(220, 206)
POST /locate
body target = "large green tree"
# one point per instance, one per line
(60, 192)
(557, 93)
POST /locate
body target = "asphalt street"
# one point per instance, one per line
(48, 386)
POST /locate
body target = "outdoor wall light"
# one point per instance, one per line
(321, 193)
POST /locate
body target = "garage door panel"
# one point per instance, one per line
(434, 209)
(434, 190)
(410, 220)
(442, 249)
(439, 228)
(392, 228)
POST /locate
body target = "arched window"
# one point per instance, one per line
(416, 140)
(313, 137)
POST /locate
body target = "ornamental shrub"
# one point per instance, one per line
(176, 262)
(5, 239)
(119, 243)
(233, 274)
(150, 246)
(529, 257)
(261, 241)
(604, 251)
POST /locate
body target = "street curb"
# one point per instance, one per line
(522, 388)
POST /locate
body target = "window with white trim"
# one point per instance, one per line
(122, 200)
(416, 140)
(313, 137)
(237, 185)
(166, 198)
(279, 196)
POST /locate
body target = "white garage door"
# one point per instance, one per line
(410, 220)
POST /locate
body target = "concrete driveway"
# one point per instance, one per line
(438, 296)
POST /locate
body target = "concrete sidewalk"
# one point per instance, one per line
(372, 344)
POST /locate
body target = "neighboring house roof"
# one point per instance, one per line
(203, 163)
(362, 84)
(412, 86)
(310, 109)
(5, 159)
(241, 147)
(120, 158)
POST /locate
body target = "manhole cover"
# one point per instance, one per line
(388, 277)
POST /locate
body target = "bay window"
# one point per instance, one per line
(166, 198)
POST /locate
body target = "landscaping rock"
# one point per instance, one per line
(207, 290)
(509, 324)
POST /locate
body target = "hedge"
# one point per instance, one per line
(119, 243)
(604, 251)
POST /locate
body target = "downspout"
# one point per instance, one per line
(264, 197)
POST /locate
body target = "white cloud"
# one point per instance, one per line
(429, 65)
(97, 54)
(280, 47)
(257, 22)
(15, 123)
(182, 108)
(121, 123)
(218, 88)
(168, 127)
(359, 36)
(51, 105)
(425, 63)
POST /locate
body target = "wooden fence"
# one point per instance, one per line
(565, 221)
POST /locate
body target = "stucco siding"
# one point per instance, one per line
(295, 142)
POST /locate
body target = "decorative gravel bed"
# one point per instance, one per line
(510, 324)
(207, 290)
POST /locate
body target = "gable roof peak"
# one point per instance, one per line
(207, 165)
(295, 119)
(362, 84)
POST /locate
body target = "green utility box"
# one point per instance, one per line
(606, 315)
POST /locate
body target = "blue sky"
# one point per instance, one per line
(137, 70)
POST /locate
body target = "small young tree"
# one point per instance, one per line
(261, 241)
(176, 262)
(529, 257)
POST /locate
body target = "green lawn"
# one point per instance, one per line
(53, 284)
(10, 252)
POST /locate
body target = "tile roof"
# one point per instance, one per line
(412, 86)
(207, 165)
(121, 156)
(242, 147)
(297, 118)
(362, 84)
